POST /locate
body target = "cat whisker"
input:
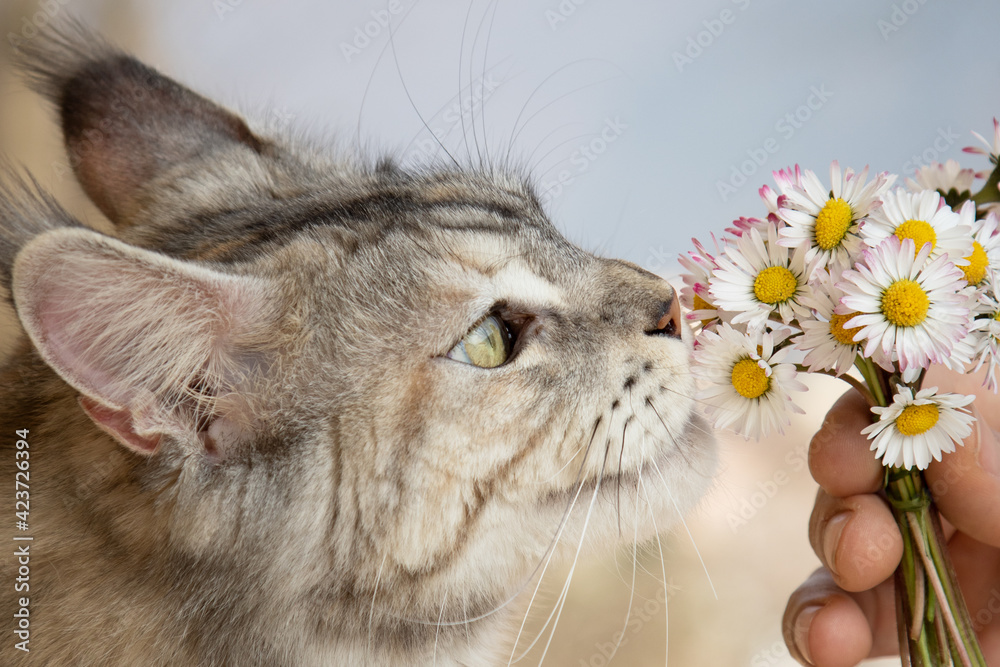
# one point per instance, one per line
(472, 94)
(680, 515)
(672, 436)
(561, 600)
(371, 611)
(663, 568)
(486, 53)
(406, 90)
(465, 613)
(437, 631)
(618, 494)
(553, 101)
(543, 564)
(541, 173)
(551, 551)
(517, 121)
(461, 54)
(569, 460)
(635, 565)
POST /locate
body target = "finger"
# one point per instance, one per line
(856, 538)
(966, 484)
(978, 568)
(966, 383)
(840, 459)
(828, 627)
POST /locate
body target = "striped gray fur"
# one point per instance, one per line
(247, 445)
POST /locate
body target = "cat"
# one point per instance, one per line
(303, 409)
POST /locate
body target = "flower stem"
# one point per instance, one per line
(873, 379)
(938, 626)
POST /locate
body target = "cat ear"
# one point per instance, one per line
(124, 123)
(155, 346)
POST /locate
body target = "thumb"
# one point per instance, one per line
(966, 484)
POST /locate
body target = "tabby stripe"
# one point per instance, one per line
(223, 234)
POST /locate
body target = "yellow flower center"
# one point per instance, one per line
(975, 272)
(775, 284)
(832, 223)
(837, 330)
(700, 304)
(919, 231)
(996, 316)
(749, 379)
(917, 419)
(905, 303)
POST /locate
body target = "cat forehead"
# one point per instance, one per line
(478, 257)
(354, 208)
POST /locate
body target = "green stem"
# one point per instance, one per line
(989, 192)
(939, 628)
(935, 580)
(872, 379)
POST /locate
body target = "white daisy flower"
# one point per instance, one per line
(915, 429)
(825, 221)
(787, 178)
(908, 306)
(964, 351)
(993, 149)
(747, 380)
(987, 326)
(774, 201)
(700, 264)
(942, 177)
(756, 278)
(744, 224)
(923, 217)
(828, 344)
(985, 256)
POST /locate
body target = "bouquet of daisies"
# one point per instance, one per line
(869, 283)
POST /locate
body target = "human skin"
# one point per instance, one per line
(845, 611)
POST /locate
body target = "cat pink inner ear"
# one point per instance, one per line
(119, 425)
(135, 332)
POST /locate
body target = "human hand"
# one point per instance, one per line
(846, 611)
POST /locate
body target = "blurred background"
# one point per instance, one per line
(643, 123)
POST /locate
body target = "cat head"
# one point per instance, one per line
(393, 392)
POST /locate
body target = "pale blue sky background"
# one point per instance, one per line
(683, 92)
(896, 79)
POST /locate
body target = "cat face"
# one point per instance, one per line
(371, 398)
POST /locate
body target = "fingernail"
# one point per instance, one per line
(801, 631)
(831, 538)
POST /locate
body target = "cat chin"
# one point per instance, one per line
(637, 505)
(656, 498)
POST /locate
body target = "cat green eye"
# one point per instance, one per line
(487, 345)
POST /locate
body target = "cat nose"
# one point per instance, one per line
(669, 321)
